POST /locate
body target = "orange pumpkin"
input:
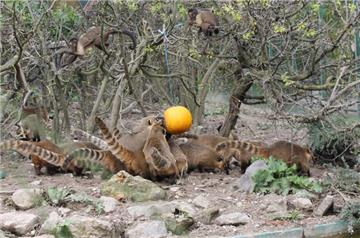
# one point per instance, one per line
(177, 119)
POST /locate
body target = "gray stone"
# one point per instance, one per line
(178, 224)
(235, 218)
(2, 234)
(27, 198)
(42, 236)
(19, 223)
(148, 229)
(109, 203)
(207, 215)
(326, 204)
(63, 211)
(302, 203)
(274, 205)
(148, 209)
(135, 188)
(201, 201)
(51, 223)
(89, 227)
(305, 194)
(245, 182)
(36, 183)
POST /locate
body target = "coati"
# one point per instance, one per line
(86, 158)
(46, 154)
(92, 37)
(84, 136)
(180, 157)
(32, 121)
(134, 159)
(286, 151)
(211, 141)
(205, 20)
(202, 157)
(31, 128)
(158, 155)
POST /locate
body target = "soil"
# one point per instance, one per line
(252, 125)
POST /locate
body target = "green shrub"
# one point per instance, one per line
(332, 144)
(281, 179)
(57, 196)
(345, 180)
(351, 214)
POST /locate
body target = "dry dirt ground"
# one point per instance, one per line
(215, 187)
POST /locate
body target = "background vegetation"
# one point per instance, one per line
(298, 58)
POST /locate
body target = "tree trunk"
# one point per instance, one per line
(91, 120)
(236, 98)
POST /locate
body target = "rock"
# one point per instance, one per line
(207, 215)
(201, 201)
(326, 205)
(36, 183)
(19, 223)
(235, 218)
(148, 229)
(178, 224)
(301, 203)
(27, 198)
(89, 227)
(42, 236)
(63, 211)
(51, 223)
(109, 203)
(148, 209)
(274, 205)
(2, 234)
(305, 194)
(2, 174)
(245, 182)
(174, 189)
(135, 188)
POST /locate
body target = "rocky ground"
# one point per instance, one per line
(200, 205)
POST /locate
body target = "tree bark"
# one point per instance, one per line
(235, 101)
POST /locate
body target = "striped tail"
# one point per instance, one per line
(83, 135)
(160, 162)
(27, 148)
(119, 151)
(240, 145)
(117, 134)
(85, 158)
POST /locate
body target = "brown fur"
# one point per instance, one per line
(205, 20)
(180, 157)
(86, 158)
(202, 157)
(154, 151)
(47, 154)
(133, 160)
(84, 136)
(91, 38)
(286, 151)
(158, 155)
(212, 141)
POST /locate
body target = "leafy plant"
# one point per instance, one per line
(281, 179)
(85, 199)
(351, 214)
(62, 231)
(291, 216)
(57, 196)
